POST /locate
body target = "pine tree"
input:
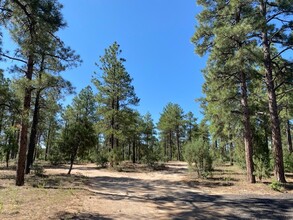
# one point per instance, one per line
(115, 96)
(190, 126)
(148, 130)
(272, 34)
(32, 25)
(79, 135)
(46, 85)
(223, 30)
(170, 126)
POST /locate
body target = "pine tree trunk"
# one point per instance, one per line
(231, 154)
(48, 141)
(138, 152)
(247, 130)
(72, 158)
(133, 151)
(170, 145)
(289, 137)
(7, 158)
(1, 118)
(112, 126)
(24, 126)
(123, 151)
(70, 168)
(276, 134)
(273, 106)
(165, 148)
(33, 135)
(129, 150)
(178, 146)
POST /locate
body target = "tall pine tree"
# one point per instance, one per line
(115, 96)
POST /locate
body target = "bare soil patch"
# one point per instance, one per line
(138, 192)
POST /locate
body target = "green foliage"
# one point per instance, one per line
(191, 127)
(77, 138)
(38, 170)
(261, 167)
(114, 157)
(56, 157)
(102, 158)
(150, 158)
(288, 161)
(277, 186)
(171, 127)
(115, 96)
(198, 156)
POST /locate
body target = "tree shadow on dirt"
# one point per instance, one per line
(79, 216)
(7, 176)
(235, 208)
(8, 168)
(193, 205)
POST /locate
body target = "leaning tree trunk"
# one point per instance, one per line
(273, 107)
(24, 125)
(72, 158)
(33, 135)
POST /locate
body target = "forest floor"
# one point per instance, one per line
(139, 193)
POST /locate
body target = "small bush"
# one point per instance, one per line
(114, 157)
(38, 170)
(276, 186)
(262, 167)
(199, 159)
(102, 158)
(56, 157)
(150, 158)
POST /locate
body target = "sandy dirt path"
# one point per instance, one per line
(168, 195)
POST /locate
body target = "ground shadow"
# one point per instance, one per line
(79, 216)
(8, 168)
(231, 207)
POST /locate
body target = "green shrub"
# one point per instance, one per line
(150, 158)
(102, 158)
(56, 157)
(199, 159)
(114, 157)
(38, 170)
(276, 186)
(261, 167)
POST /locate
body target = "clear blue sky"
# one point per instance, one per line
(155, 38)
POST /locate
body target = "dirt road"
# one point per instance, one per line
(91, 193)
(168, 195)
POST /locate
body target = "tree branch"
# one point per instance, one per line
(282, 51)
(13, 58)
